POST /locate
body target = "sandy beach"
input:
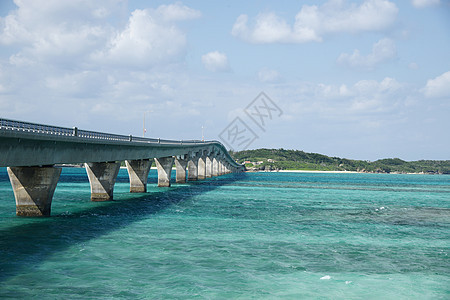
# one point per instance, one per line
(337, 172)
(309, 171)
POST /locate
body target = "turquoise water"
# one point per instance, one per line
(254, 235)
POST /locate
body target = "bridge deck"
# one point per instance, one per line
(28, 144)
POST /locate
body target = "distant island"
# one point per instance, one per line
(281, 159)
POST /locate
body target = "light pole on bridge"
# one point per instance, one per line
(143, 125)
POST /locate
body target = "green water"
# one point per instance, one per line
(255, 235)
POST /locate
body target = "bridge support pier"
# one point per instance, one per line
(33, 189)
(138, 173)
(164, 166)
(181, 164)
(208, 166)
(221, 168)
(215, 167)
(193, 169)
(201, 167)
(102, 177)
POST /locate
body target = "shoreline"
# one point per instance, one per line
(309, 171)
(338, 172)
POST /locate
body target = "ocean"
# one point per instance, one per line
(237, 236)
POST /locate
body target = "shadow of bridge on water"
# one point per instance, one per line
(24, 246)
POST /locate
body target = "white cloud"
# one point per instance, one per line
(363, 100)
(215, 61)
(382, 51)
(269, 28)
(177, 12)
(313, 22)
(373, 87)
(42, 22)
(267, 75)
(438, 87)
(424, 3)
(145, 41)
(77, 84)
(79, 31)
(151, 37)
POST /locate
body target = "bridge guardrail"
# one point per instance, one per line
(100, 135)
(35, 128)
(55, 130)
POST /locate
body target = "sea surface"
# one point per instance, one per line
(244, 236)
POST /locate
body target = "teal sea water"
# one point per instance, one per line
(254, 235)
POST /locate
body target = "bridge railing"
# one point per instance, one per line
(6, 124)
(35, 128)
(99, 135)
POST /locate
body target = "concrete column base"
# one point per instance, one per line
(138, 173)
(181, 165)
(193, 169)
(208, 166)
(164, 167)
(102, 177)
(221, 169)
(201, 168)
(215, 167)
(33, 189)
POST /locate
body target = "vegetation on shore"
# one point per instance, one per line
(281, 159)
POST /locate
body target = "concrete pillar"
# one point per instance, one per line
(201, 167)
(33, 189)
(102, 177)
(138, 173)
(164, 167)
(181, 164)
(208, 166)
(220, 168)
(193, 168)
(215, 167)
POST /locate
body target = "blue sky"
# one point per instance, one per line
(357, 79)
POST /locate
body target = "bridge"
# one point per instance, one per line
(33, 154)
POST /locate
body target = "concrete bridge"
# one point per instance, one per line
(31, 151)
